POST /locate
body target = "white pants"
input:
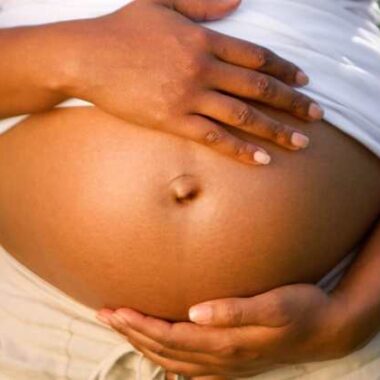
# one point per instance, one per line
(46, 335)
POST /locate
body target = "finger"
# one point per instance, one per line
(194, 370)
(118, 324)
(174, 366)
(187, 356)
(269, 309)
(252, 56)
(182, 336)
(225, 354)
(218, 347)
(175, 354)
(238, 114)
(265, 89)
(104, 315)
(209, 133)
(201, 10)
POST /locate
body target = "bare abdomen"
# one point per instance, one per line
(116, 215)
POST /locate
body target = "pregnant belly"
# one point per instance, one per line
(116, 215)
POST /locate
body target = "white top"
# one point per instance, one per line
(336, 42)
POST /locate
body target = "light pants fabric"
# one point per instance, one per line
(45, 335)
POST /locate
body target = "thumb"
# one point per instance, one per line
(203, 10)
(275, 308)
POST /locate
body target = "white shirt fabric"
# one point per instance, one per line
(46, 335)
(336, 42)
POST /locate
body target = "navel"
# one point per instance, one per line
(185, 189)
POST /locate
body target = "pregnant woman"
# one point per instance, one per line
(99, 211)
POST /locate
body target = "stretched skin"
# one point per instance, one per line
(118, 215)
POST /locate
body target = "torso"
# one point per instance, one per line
(90, 204)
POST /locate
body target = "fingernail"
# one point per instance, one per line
(315, 111)
(261, 157)
(299, 140)
(201, 314)
(301, 78)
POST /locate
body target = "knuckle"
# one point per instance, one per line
(264, 87)
(298, 104)
(227, 349)
(232, 312)
(242, 115)
(163, 337)
(224, 51)
(261, 56)
(158, 349)
(167, 340)
(240, 150)
(280, 133)
(195, 66)
(213, 137)
(279, 310)
(200, 36)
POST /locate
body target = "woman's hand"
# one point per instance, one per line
(148, 63)
(242, 337)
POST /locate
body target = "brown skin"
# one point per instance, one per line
(186, 67)
(42, 92)
(248, 336)
(245, 337)
(113, 211)
(105, 220)
(170, 80)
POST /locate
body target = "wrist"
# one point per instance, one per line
(77, 68)
(62, 58)
(350, 323)
(61, 48)
(29, 70)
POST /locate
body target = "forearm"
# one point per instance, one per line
(360, 293)
(33, 66)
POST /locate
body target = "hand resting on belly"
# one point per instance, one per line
(117, 215)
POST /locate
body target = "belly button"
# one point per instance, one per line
(184, 189)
